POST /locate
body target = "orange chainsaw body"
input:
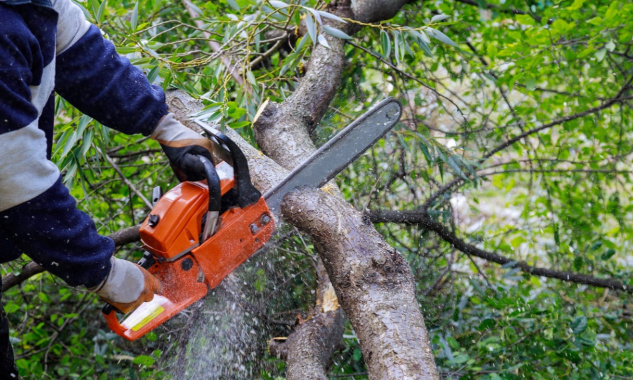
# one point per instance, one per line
(186, 268)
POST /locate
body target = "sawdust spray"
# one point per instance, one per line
(225, 335)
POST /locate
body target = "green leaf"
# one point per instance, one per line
(439, 17)
(11, 307)
(595, 21)
(385, 44)
(251, 78)
(86, 143)
(440, 36)
(316, 15)
(233, 5)
(576, 5)
(312, 31)
(153, 74)
(578, 263)
(301, 44)
(608, 254)
(126, 49)
(525, 19)
(420, 40)
(144, 360)
(323, 41)
(612, 11)
(331, 16)
(579, 325)
(278, 4)
(134, 16)
(357, 355)
(423, 36)
(455, 166)
(336, 33)
(99, 15)
(240, 124)
(461, 358)
(398, 46)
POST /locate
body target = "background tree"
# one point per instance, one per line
(514, 149)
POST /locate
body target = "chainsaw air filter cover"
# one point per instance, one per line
(174, 225)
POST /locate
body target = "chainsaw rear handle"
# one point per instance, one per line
(213, 182)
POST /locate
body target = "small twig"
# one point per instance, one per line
(212, 44)
(67, 321)
(378, 57)
(267, 53)
(126, 181)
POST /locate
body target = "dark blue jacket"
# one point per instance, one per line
(47, 47)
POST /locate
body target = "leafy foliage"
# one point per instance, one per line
(523, 108)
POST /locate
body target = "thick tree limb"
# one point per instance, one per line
(121, 237)
(376, 10)
(311, 345)
(373, 282)
(283, 133)
(424, 220)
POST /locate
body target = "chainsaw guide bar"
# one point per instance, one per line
(199, 232)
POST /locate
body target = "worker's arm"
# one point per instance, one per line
(37, 214)
(92, 76)
(100, 83)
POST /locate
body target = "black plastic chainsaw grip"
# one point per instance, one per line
(213, 182)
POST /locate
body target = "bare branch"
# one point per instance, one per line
(129, 184)
(424, 220)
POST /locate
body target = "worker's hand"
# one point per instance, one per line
(127, 286)
(183, 147)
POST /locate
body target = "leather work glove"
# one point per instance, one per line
(183, 146)
(127, 286)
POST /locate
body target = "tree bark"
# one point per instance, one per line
(381, 307)
(373, 282)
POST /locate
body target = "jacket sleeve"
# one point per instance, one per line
(55, 234)
(37, 214)
(92, 76)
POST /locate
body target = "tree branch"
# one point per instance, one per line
(616, 99)
(481, 4)
(424, 220)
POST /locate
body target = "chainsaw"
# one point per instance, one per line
(199, 232)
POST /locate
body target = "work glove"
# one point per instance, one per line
(183, 147)
(127, 286)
